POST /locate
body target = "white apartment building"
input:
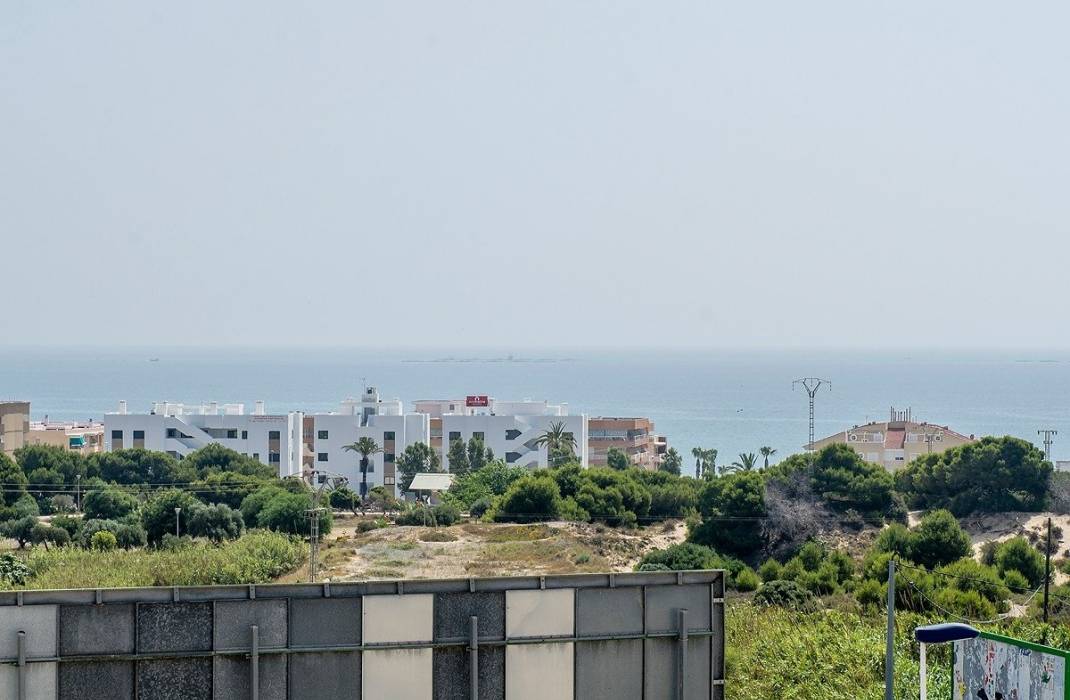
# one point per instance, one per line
(509, 428)
(327, 434)
(178, 429)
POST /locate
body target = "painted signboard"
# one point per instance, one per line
(994, 667)
(477, 401)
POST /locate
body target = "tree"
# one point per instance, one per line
(1016, 554)
(214, 458)
(366, 446)
(732, 507)
(104, 541)
(416, 459)
(108, 504)
(288, 512)
(988, 476)
(705, 462)
(457, 457)
(478, 454)
(560, 444)
(254, 503)
(216, 522)
(529, 499)
(766, 453)
(67, 463)
(139, 466)
(684, 556)
(229, 488)
(158, 514)
(20, 530)
(13, 478)
(490, 481)
(616, 459)
(672, 462)
(938, 539)
(345, 497)
(745, 463)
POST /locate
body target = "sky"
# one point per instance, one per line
(536, 174)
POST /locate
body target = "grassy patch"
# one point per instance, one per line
(437, 536)
(519, 533)
(258, 557)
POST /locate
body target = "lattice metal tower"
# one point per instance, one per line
(811, 384)
(1048, 435)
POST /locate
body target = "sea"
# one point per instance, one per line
(732, 400)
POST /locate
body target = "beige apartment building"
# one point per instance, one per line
(633, 436)
(14, 424)
(17, 431)
(897, 441)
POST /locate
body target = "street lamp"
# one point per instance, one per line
(177, 511)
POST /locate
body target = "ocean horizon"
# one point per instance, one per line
(731, 400)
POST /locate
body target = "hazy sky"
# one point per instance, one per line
(530, 174)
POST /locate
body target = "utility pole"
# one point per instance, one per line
(889, 650)
(1047, 570)
(1048, 435)
(177, 512)
(78, 492)
(811, 384)
(319, 483)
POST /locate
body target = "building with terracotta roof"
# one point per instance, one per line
(897, 441)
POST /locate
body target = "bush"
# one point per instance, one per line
(252, 504)
(571, 511)
(785, 594)
(13, 571)
(747, 580)
(130, 535)
(895, 539)
(216, 522)
(1015, 581)
(740, 495)
(674, 500)
(967, 575)
(108, 504)
(479, 507)
(938, 539)
(418, 515)
(529, 499)
(1017, 555)
(288, 512)
(72, 525)
(871, 595)
(770, 570)
(682, 557)
(446, 515)
(158, 514)
(812, 555)
(103, 541)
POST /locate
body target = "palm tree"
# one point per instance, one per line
(767, 452)
(746, 462)
(557, 441)
(698, 453)
(705, 461)
(365, 446)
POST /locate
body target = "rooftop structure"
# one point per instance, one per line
(897, 441)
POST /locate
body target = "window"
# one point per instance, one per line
(511, 457)
(455, 435)
(322, 434)
(273, 435)
(138, 434)
(245, 435)
(388, 481)
(171, 433)
(388, 435)
(478, 435)
(256, 456)
(232, 434)
(274, 457)
(388, 457)
(512, 434)
(116, 435)
(321, 456)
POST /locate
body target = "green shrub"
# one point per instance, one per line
(288, 512)
(571, 511)
(896, 539)
(417, 515)
(770, 570)
(871, 595)
(938, 539)
(785, 594)
(480, 506)
(158, 514)
(103, 541)
(968, 575)
(129, 535)
(216, 522)
(92, 527)
(69, 523)
(682, 557)
(746, 580)
(1015, 581)
(529, 499)
(812, 554)
(108, 504)
(446, 515)
(1016, 554)
(13, 571)
(740, 495)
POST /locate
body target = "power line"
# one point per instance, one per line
(1048, 434)
(812, 385)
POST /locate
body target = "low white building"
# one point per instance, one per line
(327, 434)
(509, 428)
(178, 429)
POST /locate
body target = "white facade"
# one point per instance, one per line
(382, 421)
(178, 429)
(509, 428)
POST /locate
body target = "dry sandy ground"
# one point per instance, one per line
(481, 549)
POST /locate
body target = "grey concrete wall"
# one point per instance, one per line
(584, 637)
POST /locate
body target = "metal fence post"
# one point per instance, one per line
(473, 653)
(681, 667)
(254, 663)
(21, 643)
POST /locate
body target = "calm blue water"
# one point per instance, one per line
(733, 401)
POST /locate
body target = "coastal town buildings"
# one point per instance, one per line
(14, 424)
(17, 430)
(895, 442)
(511, 429)
(634, 437)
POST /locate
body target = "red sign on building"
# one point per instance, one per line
(474, 401)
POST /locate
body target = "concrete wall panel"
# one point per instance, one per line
(453, 612)
(325, 622)
(325, 676)
(96, 629)
(40, 681)
(398, 618)
(233, 620)
(453, 673)
(661, 662)
(96, 680)
(233, 677)
(605, 611)
(165, 627)
(39, 624)
(541, 613)
(539, 672)
(397, 674)
(175, 679)
(609, 670)
(662, 602)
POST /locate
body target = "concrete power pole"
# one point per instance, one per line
(1048, 435)
(811, 384)
(320, 482)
